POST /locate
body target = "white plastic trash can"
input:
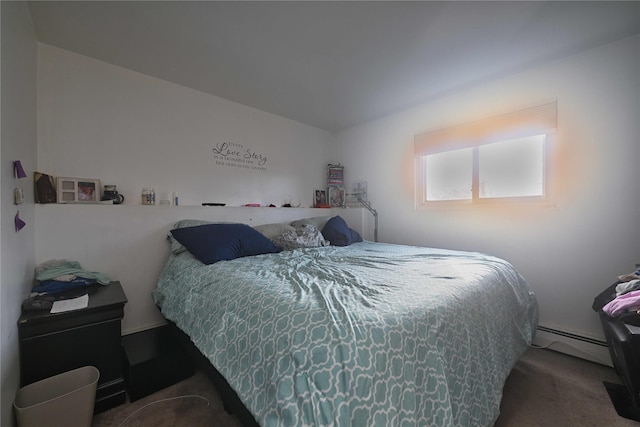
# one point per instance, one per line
(63, 400)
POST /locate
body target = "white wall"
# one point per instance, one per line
(18, 142)
(568, 253)
(96, 120)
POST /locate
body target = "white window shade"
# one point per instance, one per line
(526, 122)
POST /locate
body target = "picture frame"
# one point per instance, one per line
(336, 197)
(320, 199)
(335, 175)
(358, 189)
(78, 190)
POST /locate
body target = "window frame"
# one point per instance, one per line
(529, 122)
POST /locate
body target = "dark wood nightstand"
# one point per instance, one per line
(54, 343)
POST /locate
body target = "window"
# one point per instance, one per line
(449, 175)
(500, 159)
(513, 168)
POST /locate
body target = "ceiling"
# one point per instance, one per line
(330, 64)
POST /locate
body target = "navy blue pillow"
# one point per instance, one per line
(338, 232)
(211, 243)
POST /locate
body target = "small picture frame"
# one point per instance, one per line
(358, 191)
(320, 199)
(336, 197)
(335, 175)
(78, 190)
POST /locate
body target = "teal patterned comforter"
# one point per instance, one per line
(366, 335)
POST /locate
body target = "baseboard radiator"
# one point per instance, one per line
(580, 346)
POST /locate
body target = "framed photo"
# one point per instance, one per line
(320, 199)
(358, 189)
(336, 197)
(335, 175)
(78, 190)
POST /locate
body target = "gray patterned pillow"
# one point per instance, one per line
(305, 236)
(318, 221)
(272, 230)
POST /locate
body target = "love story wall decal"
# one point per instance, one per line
(236, 155)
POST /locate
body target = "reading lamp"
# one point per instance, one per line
(374, 212)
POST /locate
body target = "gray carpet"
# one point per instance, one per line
(173, 406)
(548, 389)
(545, 389)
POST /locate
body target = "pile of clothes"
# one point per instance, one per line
(627, 296)
(59, 275)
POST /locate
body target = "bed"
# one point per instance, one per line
(364, 334)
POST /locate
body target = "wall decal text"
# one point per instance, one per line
(236, 155)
